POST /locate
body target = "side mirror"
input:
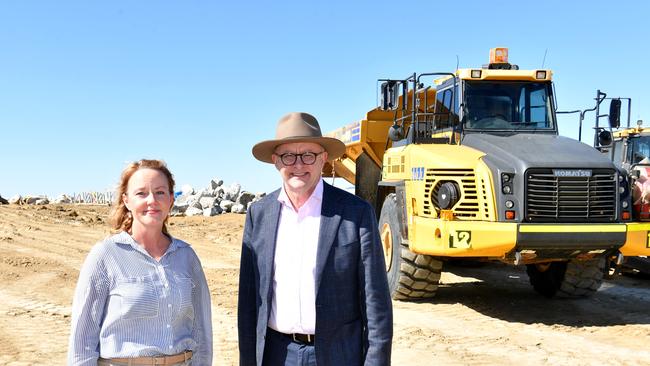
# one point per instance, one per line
(615, 113)
(396, 133)
(604, 138)
(389, 95)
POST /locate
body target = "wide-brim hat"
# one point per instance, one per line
(298, 127)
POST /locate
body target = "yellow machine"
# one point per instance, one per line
(469, 164)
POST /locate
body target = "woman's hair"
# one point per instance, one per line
(120, 217)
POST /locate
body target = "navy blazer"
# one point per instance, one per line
(354, 319)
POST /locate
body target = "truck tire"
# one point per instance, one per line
(572, 279)
(410, 275)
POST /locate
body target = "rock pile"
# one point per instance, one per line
(3, 201)
(213, 200)
(210, 201)
(63, 198)
(29, 200)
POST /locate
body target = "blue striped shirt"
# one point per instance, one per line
(127, 304)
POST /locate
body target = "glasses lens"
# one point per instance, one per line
(288, 159)
(308, 158)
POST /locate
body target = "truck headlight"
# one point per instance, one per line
(448, 195)
(506, 182)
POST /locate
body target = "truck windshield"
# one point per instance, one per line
(507, 105)
(639, 150)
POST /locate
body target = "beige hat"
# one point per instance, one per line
(298, 127)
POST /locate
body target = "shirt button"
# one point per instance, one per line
(169, 305)
(166, 285)
(168, 326)
(170, 347)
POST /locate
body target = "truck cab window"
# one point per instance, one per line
(504, 105)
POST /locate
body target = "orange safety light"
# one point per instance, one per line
(626, 215)
(447, 215)
(499, 55)
(510, 215)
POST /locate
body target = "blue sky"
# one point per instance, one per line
(87, 86)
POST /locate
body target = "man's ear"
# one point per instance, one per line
(276, 161)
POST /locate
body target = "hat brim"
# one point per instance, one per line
(264, 150)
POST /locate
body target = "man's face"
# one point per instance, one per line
(300, 178)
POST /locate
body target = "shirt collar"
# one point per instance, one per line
(125, 238)
(316, 195)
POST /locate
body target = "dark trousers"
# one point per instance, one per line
(280, 350)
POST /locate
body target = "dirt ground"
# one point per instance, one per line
(485, 315)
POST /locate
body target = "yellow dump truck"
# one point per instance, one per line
(469, 164)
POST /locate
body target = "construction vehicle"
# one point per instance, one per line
(471, 166)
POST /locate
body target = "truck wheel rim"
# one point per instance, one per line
(387, 244)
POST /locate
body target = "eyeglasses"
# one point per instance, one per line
(307, 158)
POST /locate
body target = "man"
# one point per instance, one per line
(312, 285)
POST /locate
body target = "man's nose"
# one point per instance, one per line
(299, 161)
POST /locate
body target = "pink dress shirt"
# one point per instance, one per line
(293, 304)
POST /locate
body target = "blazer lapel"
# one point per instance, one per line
(270, 221)
(329, 224)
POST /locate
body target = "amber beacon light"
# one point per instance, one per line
(499, 55)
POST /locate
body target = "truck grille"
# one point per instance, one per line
(467, 207)
(555, 198)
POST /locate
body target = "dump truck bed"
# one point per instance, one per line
(369, 136)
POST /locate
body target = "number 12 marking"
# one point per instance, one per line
(460, 239)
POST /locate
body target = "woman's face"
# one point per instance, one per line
(149, 199)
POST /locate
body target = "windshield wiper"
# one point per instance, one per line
(517, 126)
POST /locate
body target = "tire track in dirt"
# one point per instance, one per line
(489, 315)
(32, 329)
(474, 338)
(223, 292)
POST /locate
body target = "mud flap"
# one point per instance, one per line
(367, 176)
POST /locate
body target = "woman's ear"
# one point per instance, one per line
(125, 200)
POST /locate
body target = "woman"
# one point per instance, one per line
(142, 297)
